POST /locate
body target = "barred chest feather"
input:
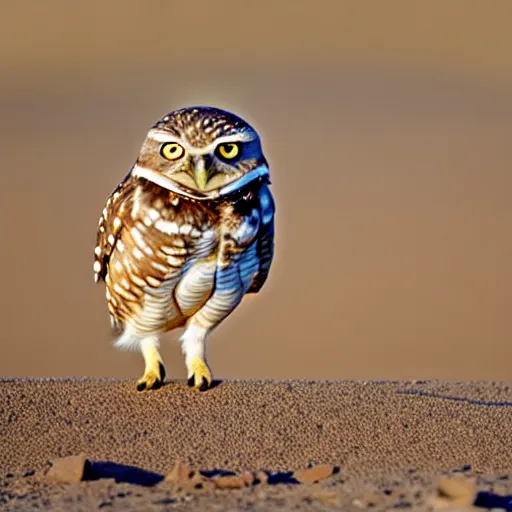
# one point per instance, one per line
(162, 256)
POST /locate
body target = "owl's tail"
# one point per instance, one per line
(128, 340)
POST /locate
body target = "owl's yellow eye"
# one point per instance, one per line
(228, 151)
(172, 151)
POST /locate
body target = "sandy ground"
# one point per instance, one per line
(390, 440)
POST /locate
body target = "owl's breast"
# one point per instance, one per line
(172, 255)
(161, 241)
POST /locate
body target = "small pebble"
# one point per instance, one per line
(229, 482)
(187, 478)
(455, 491)
(314, 474)
(68, 469)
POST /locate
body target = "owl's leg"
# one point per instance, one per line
(193, 343)
(228, 293)
(154, 373)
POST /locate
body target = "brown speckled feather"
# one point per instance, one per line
(147, 239)
(108, 231)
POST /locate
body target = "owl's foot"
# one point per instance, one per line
(152, 379)
(200, 376)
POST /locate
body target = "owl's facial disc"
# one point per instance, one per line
(207, 168)
(180, 158)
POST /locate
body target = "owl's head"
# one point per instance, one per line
(202, 153)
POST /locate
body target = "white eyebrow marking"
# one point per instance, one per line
(161, 136)
(164, 136)
(238, 137)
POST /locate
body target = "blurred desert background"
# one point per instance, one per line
(388, 127)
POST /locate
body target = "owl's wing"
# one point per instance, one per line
(109, 225)
(265, 243)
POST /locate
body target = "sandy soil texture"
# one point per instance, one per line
(387, 443)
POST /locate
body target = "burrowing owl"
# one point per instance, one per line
(185, 235)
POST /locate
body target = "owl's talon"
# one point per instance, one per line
(152, 379)
(201, 377)
(204, 385)
(148, 382)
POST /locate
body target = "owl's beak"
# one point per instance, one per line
(201, 174)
